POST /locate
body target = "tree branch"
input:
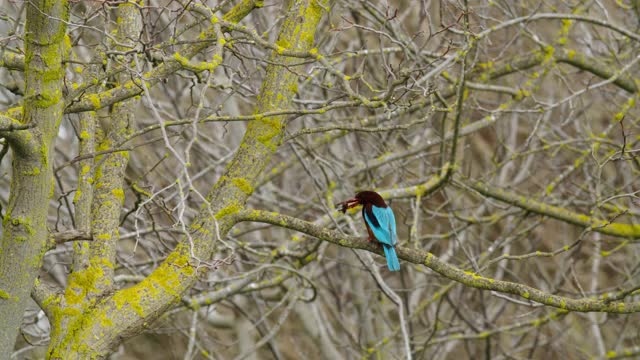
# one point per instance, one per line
(631, 231)
(69, 235)
(12, 60)
(418, 256)
(17, 133)
(45, 295)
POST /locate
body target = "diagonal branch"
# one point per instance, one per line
(418, 256)
(630, 231)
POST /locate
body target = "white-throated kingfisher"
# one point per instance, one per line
(380, 222)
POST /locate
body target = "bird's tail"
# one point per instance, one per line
(392, 257)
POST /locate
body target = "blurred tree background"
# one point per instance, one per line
(170, 171)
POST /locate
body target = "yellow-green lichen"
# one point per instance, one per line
(283, 43)
(119, 194)
(76, 197)
(18, 221)
(202, 66)
(131, 296)
(549, 189)
(4, 295)
(85, 170)
(95, 100)
(243, 185)
(105, 320)
(32, 172)
(229, 210)
(84, 281)
(166, 278)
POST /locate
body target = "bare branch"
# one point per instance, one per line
(417, 256)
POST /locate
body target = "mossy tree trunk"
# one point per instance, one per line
(89, 319)
(25, 233)
(94, 262)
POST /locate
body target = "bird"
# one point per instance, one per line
(380, 222)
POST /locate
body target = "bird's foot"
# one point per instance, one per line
(374, 242)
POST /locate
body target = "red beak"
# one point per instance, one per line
(348, 204)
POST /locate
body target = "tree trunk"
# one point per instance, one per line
(25, 233)
(101, 324)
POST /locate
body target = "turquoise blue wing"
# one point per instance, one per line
(392, 221)
(386, 231)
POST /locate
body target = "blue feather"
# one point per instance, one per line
(383, 226)
(392, 258)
